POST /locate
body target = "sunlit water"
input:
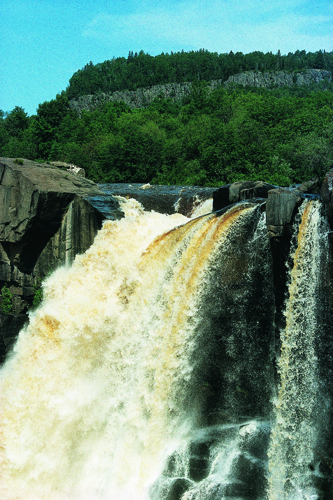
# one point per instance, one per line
(95, 395)
(147, 373)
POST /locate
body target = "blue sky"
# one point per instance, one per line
(43, 42)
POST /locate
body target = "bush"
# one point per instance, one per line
(6, 305)
(19, 161)
(38, 297)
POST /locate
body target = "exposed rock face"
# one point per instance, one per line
(73, 169)
(239, 191)
(327, 196)
(279, 78)
(45, 220)
(141, 98)
(49, 215)
(280, 208)
(10, 325)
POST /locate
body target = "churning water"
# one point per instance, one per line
(302, 405)
(148, 371)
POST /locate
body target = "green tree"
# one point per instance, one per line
(16, 122)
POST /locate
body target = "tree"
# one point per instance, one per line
(16, 122)
(319, 62)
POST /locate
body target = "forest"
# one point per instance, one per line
(279, 135)
(141, 70)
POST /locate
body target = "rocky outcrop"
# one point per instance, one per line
(280, 208)
(279, 78)
(73, 169)
(139, 98)
(143, 97)
(45, 220)
(327, 196)
(240, 191)
(49, 215)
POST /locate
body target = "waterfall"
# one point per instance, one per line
(106, 383)
(302, 405)
(149, 370)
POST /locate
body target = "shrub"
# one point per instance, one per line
(19, 161)
(38, 297)
(6, 305)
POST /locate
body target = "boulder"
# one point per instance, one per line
(240, 191)
(311, 186)
(73, 169)
(45, 220)
(280, 206)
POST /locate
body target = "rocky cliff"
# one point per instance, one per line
(177, 91)
(49, 215)
(45, 220)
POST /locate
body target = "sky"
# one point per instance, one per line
(43, 42)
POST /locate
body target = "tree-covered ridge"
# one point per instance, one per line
(142, 70)
(282, 136)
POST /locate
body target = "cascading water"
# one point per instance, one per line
(148, 372)
(105, 383)
(299, 436)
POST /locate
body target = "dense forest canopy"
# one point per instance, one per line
(141, 70)
(280, 135)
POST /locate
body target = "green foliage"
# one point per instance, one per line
(16, 122)
(141, 70)
(279, 135)
(6, 305)
(19, 161)
(38, 287)
(38, 297)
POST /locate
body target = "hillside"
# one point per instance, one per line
(273, 125)
(143, 70)
(143, 97)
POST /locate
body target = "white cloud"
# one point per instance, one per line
(218, 26)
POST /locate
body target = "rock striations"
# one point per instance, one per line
(142, 97)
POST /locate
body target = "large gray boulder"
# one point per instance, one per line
(45, 220)
(280, 208)
(240, 191)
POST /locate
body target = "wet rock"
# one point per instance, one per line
(327, 196)
(199, 461)
(280, 208)
(45, 220)
(73, 169)
(10, 325)
(249, 477)
(162, 199)
(221, 198)
(240, 191)
(170, 488)
(254, 440)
